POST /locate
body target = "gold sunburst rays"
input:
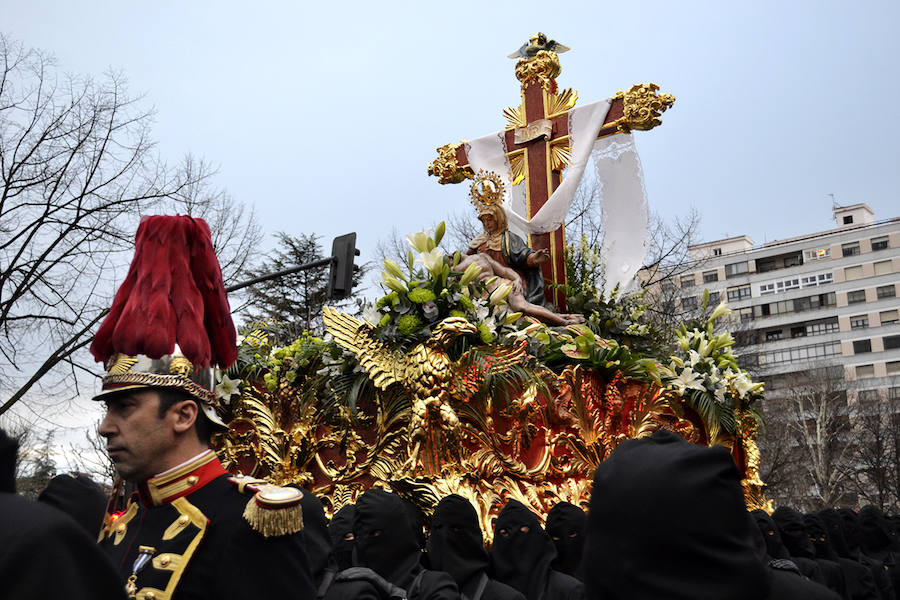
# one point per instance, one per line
(517, 165)
(560, 155)
(515, 116)
(561, 102)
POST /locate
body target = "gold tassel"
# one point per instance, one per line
(275, 511)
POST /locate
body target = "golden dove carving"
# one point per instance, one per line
(426, 372)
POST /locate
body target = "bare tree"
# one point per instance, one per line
(78, 168)
(872, 475)
(91, 458)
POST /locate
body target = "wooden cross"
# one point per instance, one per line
(537, 140)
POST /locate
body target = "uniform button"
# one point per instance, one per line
(192, 480)
(150, 596)
(183, 520)
(164, 561)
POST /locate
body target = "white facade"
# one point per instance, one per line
(825, 299)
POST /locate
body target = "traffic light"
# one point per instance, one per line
(343, 250)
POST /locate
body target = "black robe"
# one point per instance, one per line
(565, 524)
(857, 578)
(43, 552)
(668, 520)
(387, 543)
(456, 546)
(522, 554)
(797, 540)
(875, 539)
(848, 522)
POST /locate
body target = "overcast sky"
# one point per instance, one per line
(323, 116)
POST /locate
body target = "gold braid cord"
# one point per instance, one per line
(430, 426)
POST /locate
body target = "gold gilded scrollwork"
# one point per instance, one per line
(543, 69)
(754, 488)
(446, 168)
(642, 107)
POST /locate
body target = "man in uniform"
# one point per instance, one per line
(190, 530)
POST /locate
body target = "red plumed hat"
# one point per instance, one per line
(171, 304)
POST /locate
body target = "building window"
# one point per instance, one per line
(689, 303)
(862, 346)
(893, 368)
(822, 327)
(868, 396)
(856, 296)
(787, 285)
(793, 260)
(717, 252)
(738, 293)
(886, 291)
(771, 336)
(735, 269)
(766, 288)
(848, 220)
(714, 298)
(817, 253)
(746, 315)
(814, 280)
(884, 267)
(863, 371)
(687, 281)
(851, 249)
(891, 342)
(710, 276)
(879, 243)
(894, 392)
(851, 273)
(801, 353)
(859, 322)
(888, 316)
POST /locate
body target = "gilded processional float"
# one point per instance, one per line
(497, 371)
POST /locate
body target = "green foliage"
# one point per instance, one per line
(430, 287)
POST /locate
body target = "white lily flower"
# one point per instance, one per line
(688, 380)
(433, 261)
(498, 296)
(227, 388)
(371, 315)
(419, 240)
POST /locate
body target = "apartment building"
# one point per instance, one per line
(825, 300)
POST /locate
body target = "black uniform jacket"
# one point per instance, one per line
(189, 523)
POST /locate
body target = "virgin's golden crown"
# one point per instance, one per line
(487, 189)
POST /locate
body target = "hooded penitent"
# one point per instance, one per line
(9, 449)
(343, 542)
(793, 532)
(315, 536)
(79, 497)
(774, 546)
(170, 323)
(522, 554)
(668, 520)
(455, 544)
(565, 524)
(385, 539)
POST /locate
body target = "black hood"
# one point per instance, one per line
(9, 449)
(774, 546)
(522, 550)
(456, 545)
(315, 535)
(820, 535)
(668, 520)
(79, 497)
(874, 530)
(341, 548)
(793, 532)
(851, 529)
(385, 538)
(565, 525)
(835, 524)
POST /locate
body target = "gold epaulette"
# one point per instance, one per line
(273, 510)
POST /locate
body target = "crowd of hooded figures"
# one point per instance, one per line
(666, 519)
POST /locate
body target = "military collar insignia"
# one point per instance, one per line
(181, 481)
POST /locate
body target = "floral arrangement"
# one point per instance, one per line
(429, 288)
(706, 374)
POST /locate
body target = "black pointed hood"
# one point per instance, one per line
(456, 544)
(385, 538)
(522, 550)
(668, 520)
(793, 532)
(565, 525)
(342, 548)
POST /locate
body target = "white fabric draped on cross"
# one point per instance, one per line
(623, 199)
